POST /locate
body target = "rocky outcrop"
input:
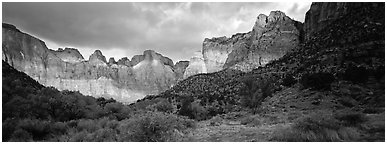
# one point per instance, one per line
(271, 37)
(196, 66)
(217, 50)
(66, 69)
(153, 74)
(112, 61)
(70, 55)
(138, 58)
(97, 58)
(180, 68)
(124, 61)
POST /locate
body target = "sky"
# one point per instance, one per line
(175, 30)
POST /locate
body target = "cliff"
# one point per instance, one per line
(180, 68)
(66, 69)
(196, 66)
(271, 37)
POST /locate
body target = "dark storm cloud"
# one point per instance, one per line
(124, 29)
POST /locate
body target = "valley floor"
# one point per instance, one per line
(231, 131)
(282, 114)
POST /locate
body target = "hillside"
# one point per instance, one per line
(338, 68)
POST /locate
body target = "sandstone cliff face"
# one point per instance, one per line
(196, 66)
(217, 50)
(271, 37)
(67, 70)
(153, 74)
(180, 68)
(124, 61)
(71, 55)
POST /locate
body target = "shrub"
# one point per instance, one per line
(350, 118)
(198, 111)
(356, 74)
(288, 80)
(88, 125)
(39, 129)
(152, 126)
(58, 128)
(373, 110)
(234, 115)
(255, 91)
(347, 101)
(316, 128)
(162, 106)
(253, 120)
(103, 135)
(8, 128)
(21, 135)
(216, 121)
(317, 81)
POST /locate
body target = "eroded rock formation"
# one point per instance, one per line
(271, 37)
(180, 68)
(65, 69)
(196, 66)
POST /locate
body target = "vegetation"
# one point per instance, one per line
(32, 112)
(340, 71)
(317, 128)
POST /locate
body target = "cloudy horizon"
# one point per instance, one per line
(175, 30)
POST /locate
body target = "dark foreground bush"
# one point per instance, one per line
(288, 80)
(316, 129)
(317, 81)
(154, 127)
(356, 74)
(141, 127)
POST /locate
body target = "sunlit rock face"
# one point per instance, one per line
(271, 37)
(151, 73)
(70, 55)
(66, 69)
(124, 61)
(180, 68)
(217, 50)
(196, 66)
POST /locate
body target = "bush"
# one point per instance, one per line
(255, 91)
(317, 81)
(316, 128)
(216, 121)
(253, 120)
(88, 125)
(288, 80)
(39, 129)
(153, 127)
(162, 106)
(234, 115)
(350, 118)
(21, 135)
(356, 74)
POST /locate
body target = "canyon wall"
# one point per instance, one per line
(66, 69)
(271, 37)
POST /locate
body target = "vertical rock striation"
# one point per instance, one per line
(196, 66)
(180, 68)
(271, 37)
(66, 69)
